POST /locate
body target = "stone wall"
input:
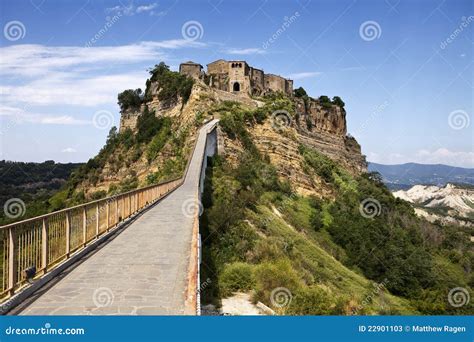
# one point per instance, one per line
(224, 74)
(277, 83)
(190, 69)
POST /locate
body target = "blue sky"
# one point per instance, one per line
(403, 68)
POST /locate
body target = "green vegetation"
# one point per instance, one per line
(171, 84)
(130, 99)
(338, 101)
(33, 183)
(300, 92)
(324, 252)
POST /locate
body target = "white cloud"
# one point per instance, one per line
(302, 75)
(69, 90)
(445, 156)
(31, 60)
(423, 156)
(131, 9)
(247, 51)
(68, 150)
(72, 75)
(19, 115)
(147, 8)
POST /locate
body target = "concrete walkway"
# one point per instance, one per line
(143, 270)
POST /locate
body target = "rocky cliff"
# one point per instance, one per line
(308, 121)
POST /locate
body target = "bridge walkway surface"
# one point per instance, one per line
(141, 271)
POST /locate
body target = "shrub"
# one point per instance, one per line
(130, 99)
(98, 195)
(316, 220)
(237, 276)
(338, 101)
(314, 300)
(300, 92)
(272, 275)
(159, 140)
(325, 101)
(148, 125)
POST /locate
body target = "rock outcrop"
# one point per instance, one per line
(321, 126)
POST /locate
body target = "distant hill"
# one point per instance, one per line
(449, 204)
(404, 176)
(33, 184)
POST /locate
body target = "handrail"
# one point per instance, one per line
(35, 246)
(85, 204)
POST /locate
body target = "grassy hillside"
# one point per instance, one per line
(359, 252)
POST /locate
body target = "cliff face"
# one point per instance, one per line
(321, 126)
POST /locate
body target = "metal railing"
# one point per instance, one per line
(35, 246)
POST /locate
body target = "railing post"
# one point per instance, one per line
(97, 220)
(68, 233)
(107, 216)
(12, 261)
(116, 210)
(44, 245)
(84, 226)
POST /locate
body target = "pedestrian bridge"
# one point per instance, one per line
(136, 253)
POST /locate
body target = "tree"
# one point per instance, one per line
(300, 92)
(130, 99)
(338, 101)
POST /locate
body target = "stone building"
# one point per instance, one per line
(191, 69)
(238, 77)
